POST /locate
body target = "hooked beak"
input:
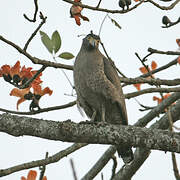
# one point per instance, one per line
(94, 42)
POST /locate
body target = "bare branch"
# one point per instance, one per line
(99, 165)
(35, 32)
(51, 159)
(174, 62)
(155, 81)
(163, 52)
(40, 110)
(175, 168)
(35, 12)
(43, 169)
(73, 169)
(151, 90)
(114, 166)
(27, 83)
(171, 6)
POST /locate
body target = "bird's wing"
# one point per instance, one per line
(111, 74)
(104, 80)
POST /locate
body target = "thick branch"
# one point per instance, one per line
(91, 133)
(142, 154)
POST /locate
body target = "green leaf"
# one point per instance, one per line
(46, 41)
(66, 55)
(56, 41)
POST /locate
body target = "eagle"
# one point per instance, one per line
(99, 90)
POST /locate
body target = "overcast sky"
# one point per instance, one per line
(141, 29)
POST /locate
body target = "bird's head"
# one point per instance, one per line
(91, 41)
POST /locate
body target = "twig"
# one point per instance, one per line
(174, 62)
(52, 159)
(114, 166)
(144, 58)
(171, 6)
(175, 168)
(27, 83)
(151, 90)
(102, 9)
(98, 4)
(40, 110)
(172, 23)
(35, 13)
(43, 169)
(73, 169)
(102, 25)
(163, 52)
(143, 106)
(35, 32)
(99, 165)
(174, 162)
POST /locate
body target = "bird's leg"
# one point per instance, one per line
(92, 120)
(103, 120)
(103, 113)
(93, 115)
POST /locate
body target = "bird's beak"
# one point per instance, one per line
(94, 42)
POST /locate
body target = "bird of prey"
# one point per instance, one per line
(98, 88)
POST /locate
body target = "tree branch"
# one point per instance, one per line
(158, 81)
(102, 9)
(35, 12)
(151, 90)
(51, 159)
(100, 163)
(171, 6)
(174, 62)
(35, 32)
(91, 133)
(40, 110)
(36, 60)
(142, 154)
(163, 52)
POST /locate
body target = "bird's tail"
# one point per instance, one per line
(125, 153)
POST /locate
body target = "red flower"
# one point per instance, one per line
(144, 71)
(178, 42)
(75, 12)
(159, 100)
(178, 60)
(21, 94)
(32, 176)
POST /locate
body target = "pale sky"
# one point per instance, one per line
(141, 29)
